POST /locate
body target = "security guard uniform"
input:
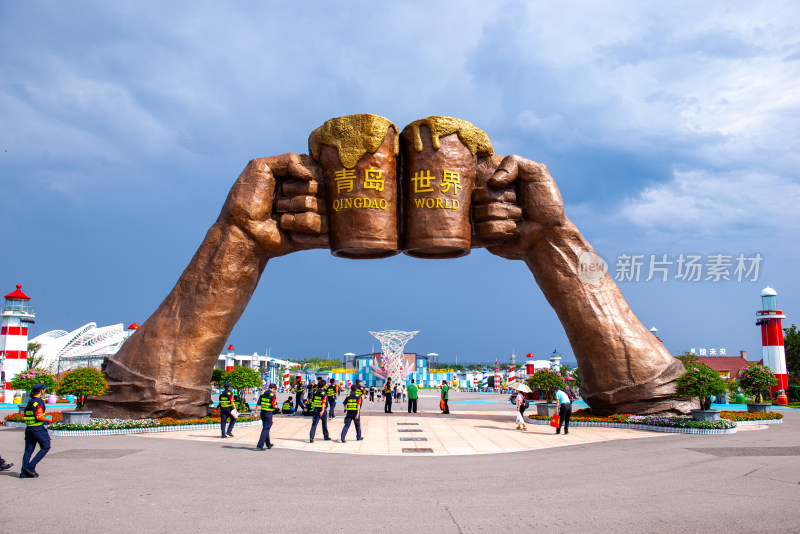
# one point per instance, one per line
(318, 401)
(287, 407)
(331, 391)
(268, 403)
(226, 399)
(387, 398)
(298, 401)
(352, 406)
(35, 434)
(360, 390)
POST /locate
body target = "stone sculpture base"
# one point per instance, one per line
(133, 394)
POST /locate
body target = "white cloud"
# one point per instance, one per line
(702, 204)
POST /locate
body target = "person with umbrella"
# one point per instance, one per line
(521, 402)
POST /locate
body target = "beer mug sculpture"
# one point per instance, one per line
(439, 162)
(358, 155)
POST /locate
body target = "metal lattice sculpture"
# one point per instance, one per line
(392, 343)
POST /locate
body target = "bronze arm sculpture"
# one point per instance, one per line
(164, 369)
(519, 214)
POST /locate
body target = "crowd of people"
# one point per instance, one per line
(320, 406)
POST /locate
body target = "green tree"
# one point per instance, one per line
(791, 344)
(547, 381)
(702, 382)
(217, 376)
(34, 361)
(240, 378)
(83, 383)
(30, 377)
(687, 358)
(755, 379)
(576, 374)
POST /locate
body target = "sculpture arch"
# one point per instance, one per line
(445, 192)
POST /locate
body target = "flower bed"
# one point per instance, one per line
(658, 423)
(106, 424)
(679, 421)
(747, 416)
(19, 418)
(129, 425)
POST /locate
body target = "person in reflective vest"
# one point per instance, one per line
(298, 392)
(359, 388)
(35, 432)
(268, 404)
(387, 396)
(352, 406)
(331, 391)
(287, 406)
(318, 403)
(226, 405)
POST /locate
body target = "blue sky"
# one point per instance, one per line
(670, 127)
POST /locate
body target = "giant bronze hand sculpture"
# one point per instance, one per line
(164, 369)
(518, 214)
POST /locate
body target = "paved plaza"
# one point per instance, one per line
(479, 475)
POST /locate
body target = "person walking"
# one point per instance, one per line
(387, 396)
(564, 404)
(360, 390)
(372, 393)
(298, 395)
(35, 432)
(396, 394)
(226, 406)
(332, 391)
(352, 406)
(268, 403)
(312, 386)
(412, 397)
(5, 466)
(445, 397)
(403, 391)
(522, 405)
(318, 401)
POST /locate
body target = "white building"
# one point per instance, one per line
(89, 345)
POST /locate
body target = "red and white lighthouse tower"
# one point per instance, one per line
(770, 318)
(16, 313)
(230, 359)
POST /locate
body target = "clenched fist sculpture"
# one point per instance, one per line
(359, 195)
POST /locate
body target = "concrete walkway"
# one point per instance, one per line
(467, 432)
(747, 482)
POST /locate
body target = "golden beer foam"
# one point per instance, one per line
(352, 136)
(470, 135)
